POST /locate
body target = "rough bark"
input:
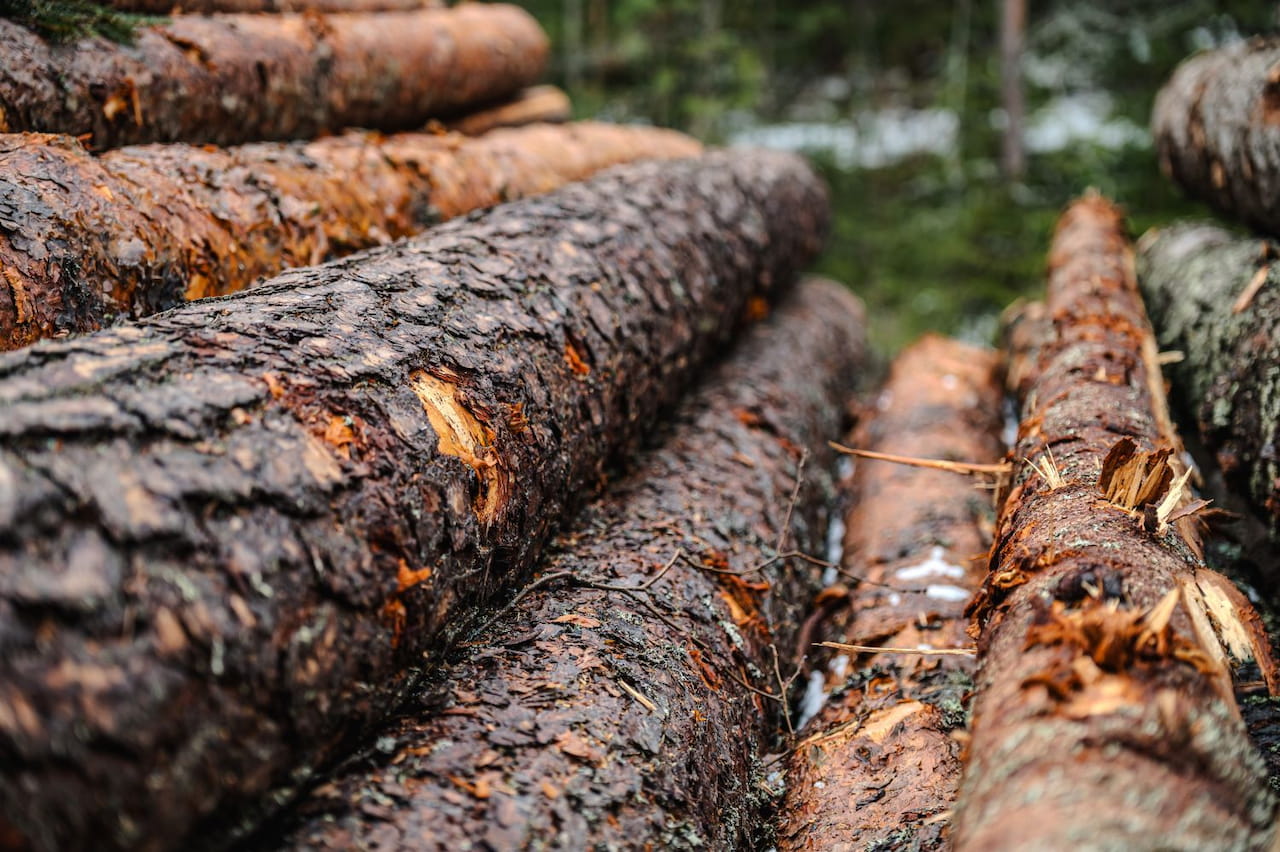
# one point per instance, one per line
(1217, 130)
(230, 79)
(1195, 277)
(594, 719)
(877, 767)
(537, 104)
(87, 240)
(227, 531)
(1104, 716)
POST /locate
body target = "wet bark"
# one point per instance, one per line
(593, 719)
(536, 104)
(1104, 715)
(88, 240)
(1217, 130)
(227, 532)
(877, 767)
(230, 79)
(1195, 277)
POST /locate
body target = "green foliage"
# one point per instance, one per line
(929, 242)
(67, 20)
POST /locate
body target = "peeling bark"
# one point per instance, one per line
(230, 79)
(593, 719)
(877, 767)
(1217, 130)
(229, 530)
(537, 104)
(87, 240)
(1194, 278)
(1104, 715)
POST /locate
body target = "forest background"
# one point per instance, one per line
(902, 104)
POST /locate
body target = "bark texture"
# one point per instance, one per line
(877, 767)
(228, 79)
(1217, 130)
(228, 531)
(536, 104)
(1104, 716)
(1194, 278)
(85, 240)
(593, 719)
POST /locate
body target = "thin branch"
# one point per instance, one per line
(925, 652)
(963, 468)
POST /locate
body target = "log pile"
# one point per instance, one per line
(201, 221)
(485, 507)
(229, 79)
(1211, 293)
(558, 726)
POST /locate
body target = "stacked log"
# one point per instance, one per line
(229, 79)
(228, 531)
(877, 767)
(533, 105)
(1217, 129)
(1214, 298)
(137, 230)
(1104, 715)
(590, 717)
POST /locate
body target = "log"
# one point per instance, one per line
(589, 718)
(877, 768)
(1216, 124)
(1213, 297)
(89, 240)
(1104, 715)
(229, 79)
(536, 104)
(228, 531)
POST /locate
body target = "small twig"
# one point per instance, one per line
(926, 652)
(588, 584)
(791, 504)
(784, 686)
(963, 468)
(757, 690)
(1255, 284)
(638, 696)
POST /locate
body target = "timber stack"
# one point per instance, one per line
(1211, 292)
(495, 502)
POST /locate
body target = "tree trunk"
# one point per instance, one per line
(1214, 297)
(594, 719)
(1217, 130)
(1104, 715)
(877, 767)
(138, 230)
(1013, 27)
(539, 104)
(239, 78)
(227, 531)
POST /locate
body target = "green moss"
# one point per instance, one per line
(67, 20)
